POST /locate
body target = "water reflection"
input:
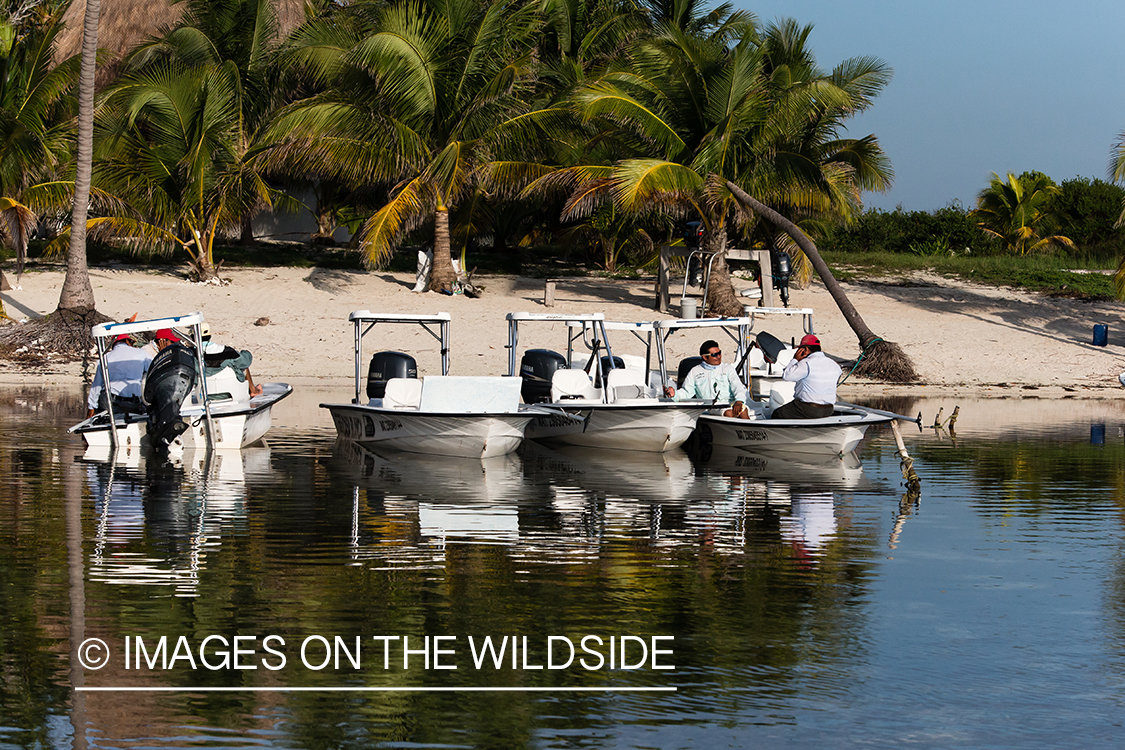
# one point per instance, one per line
(159, 517)
(794, 624)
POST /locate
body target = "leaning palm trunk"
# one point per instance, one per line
(880, 359)
(442, 274)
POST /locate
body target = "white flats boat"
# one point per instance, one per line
(471, 417)
(184, 411)
(626, 414)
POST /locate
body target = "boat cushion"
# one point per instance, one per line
(402, 393)
(568, 385)
(462, 394)
(626, 384)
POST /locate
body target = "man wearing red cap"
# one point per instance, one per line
(127, 366)
(816, 377)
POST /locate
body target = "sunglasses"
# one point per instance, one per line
(713, 354)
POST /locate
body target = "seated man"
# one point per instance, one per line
(216, 357)
(714, 381)
(816, 376)
(127, 366)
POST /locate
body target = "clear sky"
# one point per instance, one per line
(979, 87)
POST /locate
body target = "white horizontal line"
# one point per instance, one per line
(128, 689)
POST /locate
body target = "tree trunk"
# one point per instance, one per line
(721, 299)
(879, 358)
(442, 274)
(77, 293)
(247, 235)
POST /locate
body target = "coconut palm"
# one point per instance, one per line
(1018, 212)
(173, 147)
(419, 104)
(698, 111)
(35, 107)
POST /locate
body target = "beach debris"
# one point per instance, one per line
(263, 321)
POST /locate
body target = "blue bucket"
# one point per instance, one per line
(1101, 334)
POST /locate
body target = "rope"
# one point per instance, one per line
(859, 359)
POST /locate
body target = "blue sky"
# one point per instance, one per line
(979, 87)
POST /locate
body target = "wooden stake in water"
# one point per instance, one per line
(913, 483)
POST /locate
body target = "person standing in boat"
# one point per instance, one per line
(816, 377)
(127, 367)
(712, 380)
(216, 357)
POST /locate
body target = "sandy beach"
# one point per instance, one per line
(963, 338)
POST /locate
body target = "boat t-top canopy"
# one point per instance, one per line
(738, 329)
(104, 331)
(109, 330)
(361, 317)
(590, 326)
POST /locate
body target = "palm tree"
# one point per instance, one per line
(1117, 174)
(419, 104)
(698, 111)
(34, 132)
(175, 149)
(879, 358)
(1018, 212)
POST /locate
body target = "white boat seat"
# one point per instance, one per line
(403, 393)
(626, 384)
(781, 393)
(572, 384)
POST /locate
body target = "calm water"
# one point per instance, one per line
(754, 602)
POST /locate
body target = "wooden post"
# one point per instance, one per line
(767, 277)
(662, 281)
(549, 293)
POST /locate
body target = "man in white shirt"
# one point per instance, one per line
(816, 376)
(714, 381)
(127, 367)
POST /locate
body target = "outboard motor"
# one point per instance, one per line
(387, 365)
(687, 364)
(782, 270)
(170, 380)
(537, 368)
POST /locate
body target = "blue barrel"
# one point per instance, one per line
(1101, 334)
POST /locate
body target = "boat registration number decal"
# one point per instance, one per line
(756, 435)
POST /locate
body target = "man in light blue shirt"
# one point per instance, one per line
(713, 381)
(127, 367)
(816, 377)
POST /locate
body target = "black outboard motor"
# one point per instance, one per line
(170, 379)
(387, 365)
(782, 270)
(537, 368)
(687, 364)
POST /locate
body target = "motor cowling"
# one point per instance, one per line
(387, 365)
(537, 367)
(169, 381)
(782, 267)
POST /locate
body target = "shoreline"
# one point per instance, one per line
(964, 339)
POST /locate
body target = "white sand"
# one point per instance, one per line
(963, 338)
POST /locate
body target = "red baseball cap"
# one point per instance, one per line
(166, 333)
(121, 337)
(809, 340)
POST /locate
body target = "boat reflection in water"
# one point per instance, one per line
(157, 518)
(565, 504)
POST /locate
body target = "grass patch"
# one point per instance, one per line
(1045, 274)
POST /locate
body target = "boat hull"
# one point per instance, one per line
(237, 424)
(653, 427)
(436, 433)
(835, 435)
